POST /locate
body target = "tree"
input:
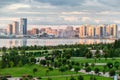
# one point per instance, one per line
(116, 44)
(116, 65)
(4, 78)
(47, 71)
(4, 49)
(32, 60)
(76, 69)
(104, 71)
(80, 77)
(110, 65)
(68, 56)
(72, 78)
(50, 69)
(93, 78)
(62, 69)
(86, 64)
(88, 69)
(96, 70)
(49, 79)
(88, 55)
(20, 63)
(105, 53)
(22, 52)
(55, 64)
(11, 63)
(70, 66)
(93, 65)
(112, 72)
(35, 70)
(97, 54)
(43, 62)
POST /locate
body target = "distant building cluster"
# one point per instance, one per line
(69, 32)
(99, 31)
(83, 31)
(19, 29)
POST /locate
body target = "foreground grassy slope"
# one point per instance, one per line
(55, 74)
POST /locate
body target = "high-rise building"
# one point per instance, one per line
(23, 26)
(83, 31)
(114, 30)
(91, 31)
(102, 30)
(15, 28)
(99, 31)
(10, 29)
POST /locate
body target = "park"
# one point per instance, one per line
(62, 62)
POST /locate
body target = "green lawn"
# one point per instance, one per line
(86, 77)
(91, 60)
(55, 74)
(102, 60)
(19, 71)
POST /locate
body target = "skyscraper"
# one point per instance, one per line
(83, 31)
(23, 26)
(15, 28)
(9, 30)
(114, 30)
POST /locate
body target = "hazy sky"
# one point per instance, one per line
(45, 12)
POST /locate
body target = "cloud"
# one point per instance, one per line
(63, 2)
(74, 12)
(117, 21)
(60, 11)
(98, 21)
(84, 19)
(17, 6)
(70, 18)
(109, 13)
(8, 2)
(113, 3)
(8, 19)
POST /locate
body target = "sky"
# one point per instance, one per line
(60, 12)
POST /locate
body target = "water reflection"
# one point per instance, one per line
(23, 42)
(41, 42)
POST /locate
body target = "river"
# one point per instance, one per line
(40, 42)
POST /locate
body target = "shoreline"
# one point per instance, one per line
(62, 38)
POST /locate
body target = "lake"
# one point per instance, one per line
(40, 42)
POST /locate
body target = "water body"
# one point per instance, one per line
(40, 42)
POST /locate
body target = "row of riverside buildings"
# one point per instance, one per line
(79, 31)
(99, 31)
(83, 31)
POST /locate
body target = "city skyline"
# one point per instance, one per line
(81, 31)
(63, 12)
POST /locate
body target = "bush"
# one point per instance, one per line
(88, 69)
(110, 65)
(112, 72)
(49, 79)
(72, 78)
(96, 70)
(80, 77)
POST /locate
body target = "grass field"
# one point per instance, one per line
(19, 71)
(100, 66)
(92, 60)
(86, 77)
(55, 74)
